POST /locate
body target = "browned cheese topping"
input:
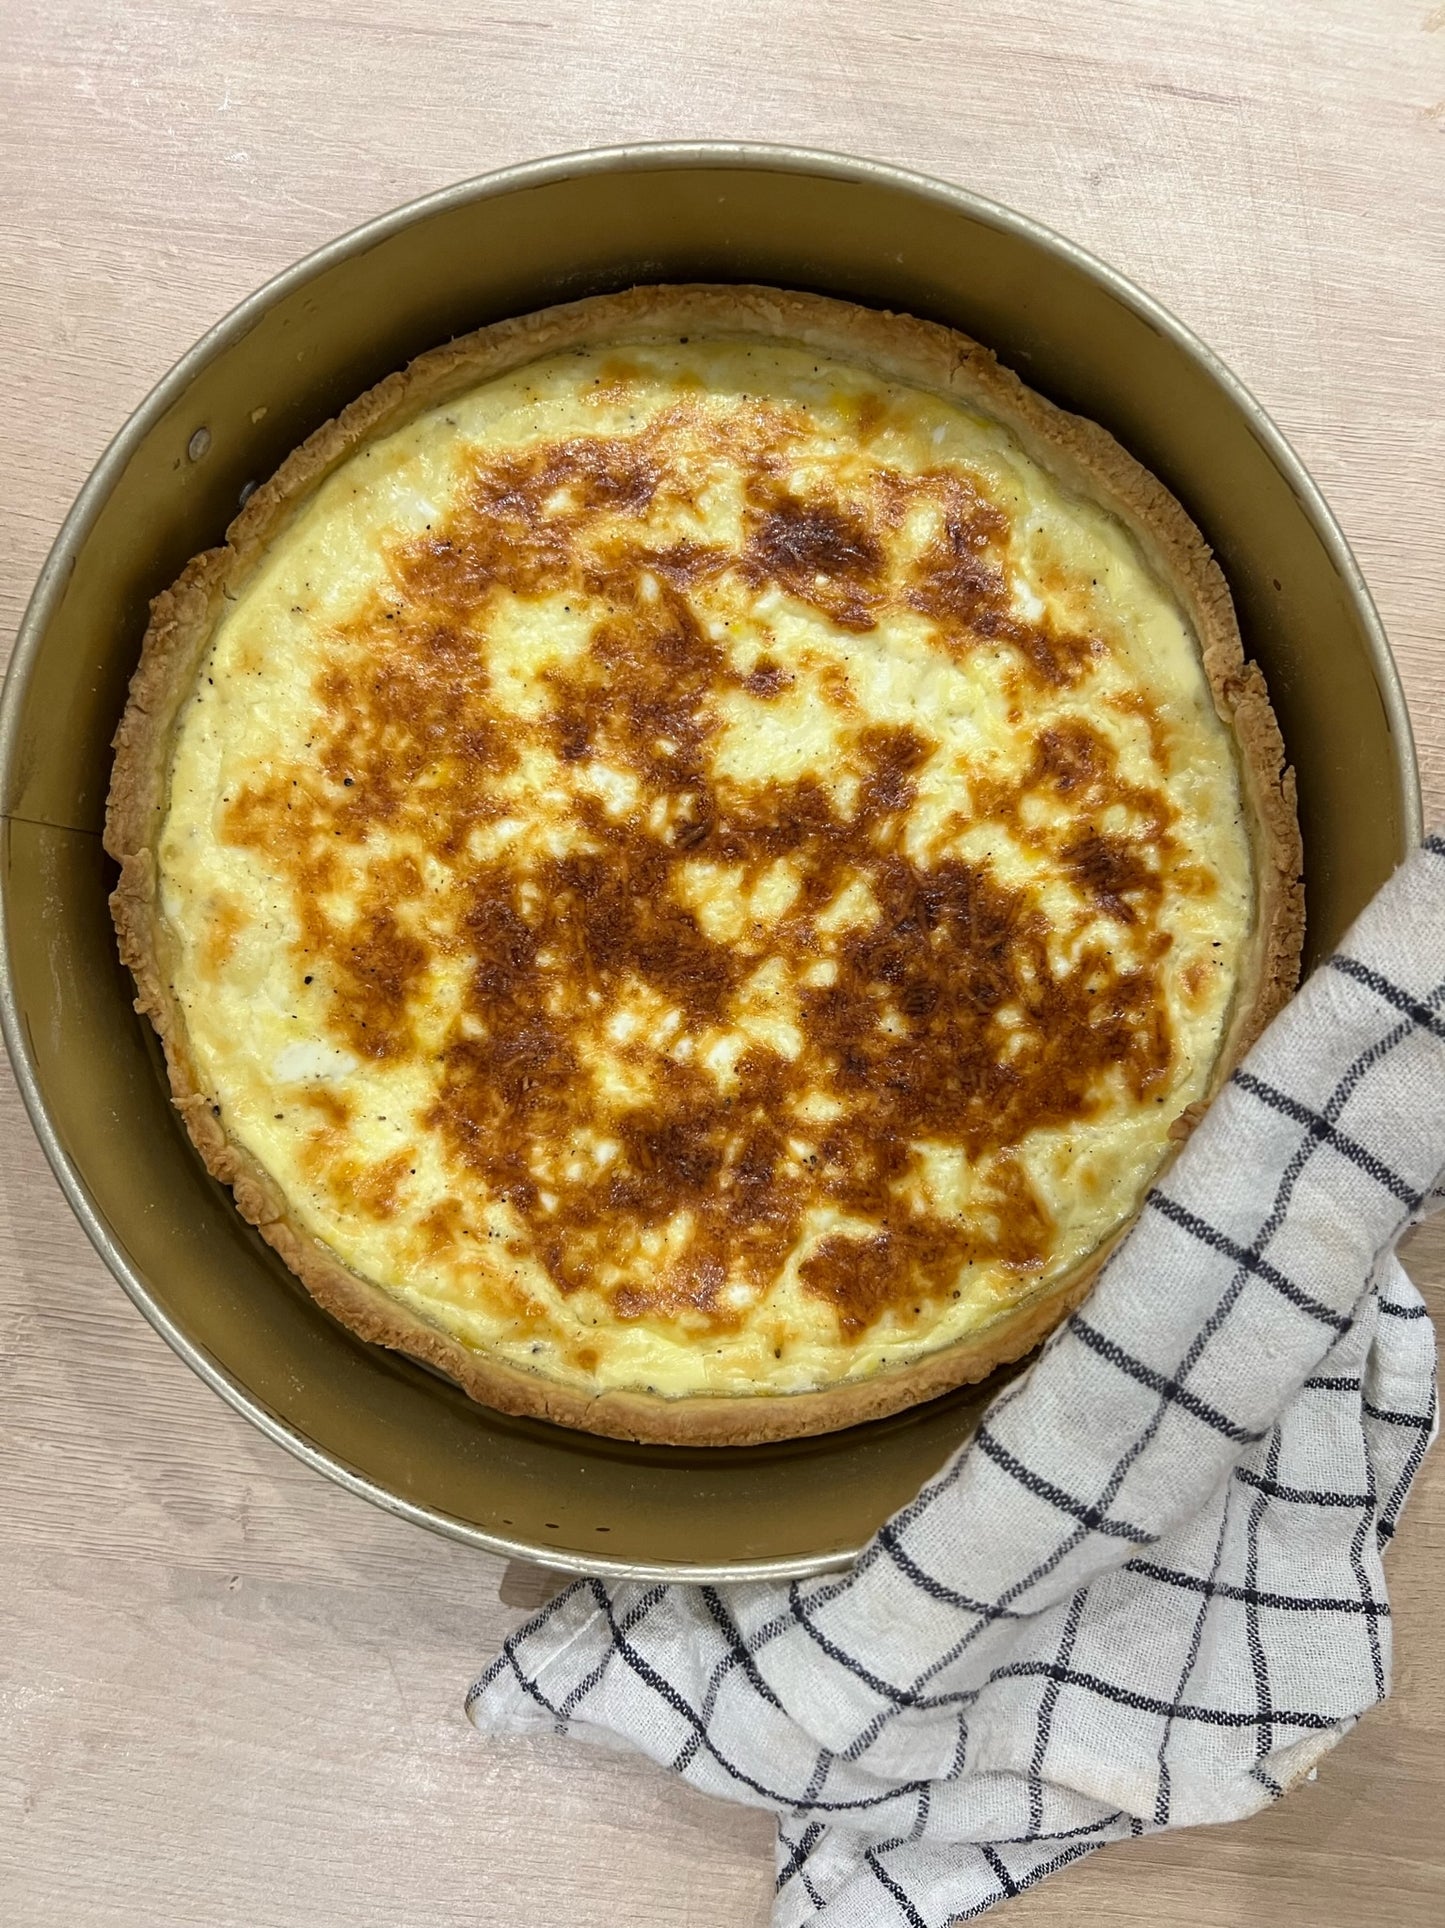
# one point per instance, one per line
(691, 992)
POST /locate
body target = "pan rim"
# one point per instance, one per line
(741, 156)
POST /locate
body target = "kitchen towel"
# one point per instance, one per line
(1149, 1592)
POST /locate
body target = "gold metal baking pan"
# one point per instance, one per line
(226, 415)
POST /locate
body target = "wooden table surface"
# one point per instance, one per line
(229, 1692)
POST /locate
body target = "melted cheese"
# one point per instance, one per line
(698, 869)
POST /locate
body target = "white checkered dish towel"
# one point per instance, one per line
(1149, 1593)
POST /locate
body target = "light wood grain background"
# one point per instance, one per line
(229, 1693)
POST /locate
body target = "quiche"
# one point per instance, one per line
(693, 854)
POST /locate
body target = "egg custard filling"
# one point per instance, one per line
(692, 854)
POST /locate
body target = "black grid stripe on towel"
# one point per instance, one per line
(1149, 1593)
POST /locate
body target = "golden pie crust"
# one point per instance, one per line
(900, 349)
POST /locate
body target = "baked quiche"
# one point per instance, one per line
(693, 854)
